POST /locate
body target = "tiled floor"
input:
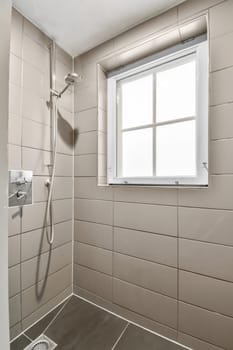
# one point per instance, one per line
(79, 325)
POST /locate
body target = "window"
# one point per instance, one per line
(158, 121)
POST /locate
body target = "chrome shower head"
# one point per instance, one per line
(72, 78)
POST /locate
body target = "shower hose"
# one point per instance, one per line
(49, 209)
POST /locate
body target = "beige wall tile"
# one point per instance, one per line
(221, 161)
(102, 166)
(14, 280)
(208, 225)
(221, 52)
(14, 221)
(62, 210)
(15, 330)
(64, 165)
(95, 234)
(39, 268)
(216, 196)
(95, 258)
(86, 143)
(15, 70)
(148, 246)
(40, 190)
(206, 258)
(61, 71)
(56, 283)
(86, 120)
(86, 187)
(36, 160)
(153, 305)
(35, 34)
(221, 19)
(33, 216)
(195, 343)
(35, 54)
(16, 32)
(102, 120)
(206, 325)
(95, 282)
(34, 107)
(102, 141)
(205, 292)
(36, 135)
(94, 211)
(190, 8)
(65, 133)
(14, 310)
(46, 308)
(221, 121)
(14, 157)
(14, 250)
(14, 130)
(35, 81)
(14, 100)
(62, 188)
(86, 98)
(66, 102)
(158, 278)
(150, 195)
(34, 242)
(221, 88)
(85, 165)
(145, 217)
(63, 56)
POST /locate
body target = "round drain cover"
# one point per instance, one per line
(41, 345)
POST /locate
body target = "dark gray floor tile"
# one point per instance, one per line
(138, 339)
(20, 343)
(38, 328)
(83, 326)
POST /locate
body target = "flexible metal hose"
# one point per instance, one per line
(49, 209)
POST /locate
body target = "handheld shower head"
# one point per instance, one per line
(70, 80)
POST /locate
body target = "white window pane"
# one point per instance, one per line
(176, 149)
(137, 102)
(137, 153)
(176, 92)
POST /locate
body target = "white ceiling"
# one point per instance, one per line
(79, 25)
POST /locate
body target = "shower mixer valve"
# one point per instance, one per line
(20, 188)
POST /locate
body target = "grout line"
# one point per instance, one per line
(58, 313)
(45, 278)
(33, 324)
(122, 333)
(27, 337)
(134, 323)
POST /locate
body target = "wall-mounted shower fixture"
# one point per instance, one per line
(70, 80)
(20, 188)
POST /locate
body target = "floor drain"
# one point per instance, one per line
(41, 343)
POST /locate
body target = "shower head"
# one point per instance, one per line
(72, 78)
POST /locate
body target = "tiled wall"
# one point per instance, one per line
(39, 278)
(162, 257)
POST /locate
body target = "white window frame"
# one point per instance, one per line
(200, 51)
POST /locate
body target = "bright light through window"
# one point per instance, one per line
(158, 121)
